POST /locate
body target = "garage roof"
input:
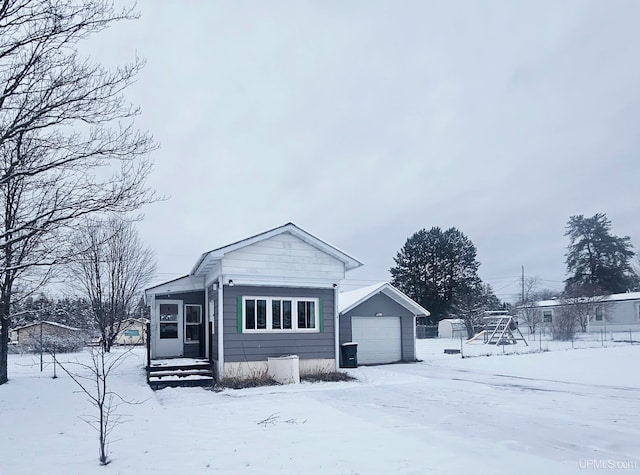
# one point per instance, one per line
(353, 298)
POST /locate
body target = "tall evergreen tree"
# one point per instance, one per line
(597, 261)
(436, 268)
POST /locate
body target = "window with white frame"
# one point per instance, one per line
(192, 323)
(547, 316)
(638, 311)
(280, 314)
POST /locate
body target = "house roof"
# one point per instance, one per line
(209, 258)
(167, 282)
(607, 298)
(353, 298)
(59, 325)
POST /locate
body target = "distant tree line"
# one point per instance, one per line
(74, 312)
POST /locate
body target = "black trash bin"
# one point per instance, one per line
(349, 355)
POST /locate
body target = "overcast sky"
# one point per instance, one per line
(365, 121)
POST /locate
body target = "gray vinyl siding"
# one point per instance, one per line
(389, 308)
(239, 347)
(190, 350)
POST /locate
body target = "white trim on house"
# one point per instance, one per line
(198, 324)
(220, 313)
(336, 325)
(47, 322)
(205, 317)
(187, 283)
(280, 282)
(269, 315)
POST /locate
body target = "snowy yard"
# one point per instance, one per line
(556, 412)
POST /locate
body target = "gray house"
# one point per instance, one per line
(272, 294)
(382, 321)
(615, 312)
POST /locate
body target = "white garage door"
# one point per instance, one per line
(378, 338)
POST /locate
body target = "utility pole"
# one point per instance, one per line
(522, 284)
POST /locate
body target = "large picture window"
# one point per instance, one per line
(280, 314)
(192, 323)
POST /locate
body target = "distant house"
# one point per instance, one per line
(382, 321)
(49, 333)
(132, 332)
(615, 312)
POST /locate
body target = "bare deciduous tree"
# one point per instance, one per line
(583, 308)
(110, 269)
(93, 380)
(68, 144)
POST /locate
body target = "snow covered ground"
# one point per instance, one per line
(555, 412)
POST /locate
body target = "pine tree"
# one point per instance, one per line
(597, 261)
(436, 268)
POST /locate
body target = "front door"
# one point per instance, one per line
(169, 336)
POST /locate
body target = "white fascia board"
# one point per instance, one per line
(404, 300)
(374, 289)
(350, 262)
(211, 278)
(262, 282)
(184, 284)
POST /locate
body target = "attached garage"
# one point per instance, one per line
(379, 339)
(382, 321)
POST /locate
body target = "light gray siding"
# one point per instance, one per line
(191, 350)
(239, 347)
(390, 308)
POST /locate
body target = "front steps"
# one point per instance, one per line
(179, 372)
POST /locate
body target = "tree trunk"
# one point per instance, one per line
(5, 317)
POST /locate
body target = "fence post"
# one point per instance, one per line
(540, 339)
(148, 344)
(461, 350)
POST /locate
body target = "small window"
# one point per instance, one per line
(599, 314)
(281, 314)
(306, 314)
(255, 311)
(192, 323)
(168, 321)
(547, 316)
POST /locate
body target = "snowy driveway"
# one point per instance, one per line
(553, 413)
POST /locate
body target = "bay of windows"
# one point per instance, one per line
(279, 314)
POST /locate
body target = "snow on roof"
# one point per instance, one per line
(452, 321)
(608, 298)
(59, 325)
(349, 300)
